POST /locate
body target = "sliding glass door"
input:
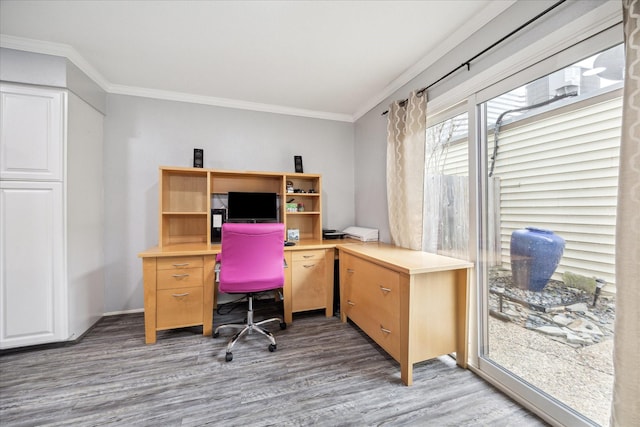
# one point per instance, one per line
(548, 176)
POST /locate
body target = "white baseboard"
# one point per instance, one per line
(135, 310)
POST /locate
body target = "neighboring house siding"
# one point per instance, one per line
(561, 173)
(556, 170)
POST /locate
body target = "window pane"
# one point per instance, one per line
(446, 226)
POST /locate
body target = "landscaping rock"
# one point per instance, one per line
(562, 313)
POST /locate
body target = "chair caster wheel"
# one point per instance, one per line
(216, 334)
(283, 325)
(272, 348)
(228, 357)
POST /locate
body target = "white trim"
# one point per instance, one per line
(547, 408)
(68, 52)
(115, 313)
(225, 102)
(55, 49)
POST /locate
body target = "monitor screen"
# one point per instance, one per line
(252, 207)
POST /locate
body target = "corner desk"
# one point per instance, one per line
(179, 288)
(413, 304)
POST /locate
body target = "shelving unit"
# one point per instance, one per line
(309, 221)
(184, 216)
(186, 201)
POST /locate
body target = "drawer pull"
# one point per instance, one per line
(184, 264)
(350, 270)
(307, 256)
(181, 275)
(385, 290)
(385, 330)
(308, 265)
(351, 302)
(180, 295)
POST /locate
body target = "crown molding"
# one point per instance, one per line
(226, 103)
(57, 49)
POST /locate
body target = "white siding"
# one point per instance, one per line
(561, 173)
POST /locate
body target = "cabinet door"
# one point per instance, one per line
(309, 288)
(32, 292)
(32, 133)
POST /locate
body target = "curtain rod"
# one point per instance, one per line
(467, 63)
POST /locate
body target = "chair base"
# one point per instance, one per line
(249, 328)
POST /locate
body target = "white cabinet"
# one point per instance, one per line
(51, 216)
(33, 297)
(32, 132)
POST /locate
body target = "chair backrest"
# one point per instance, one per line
(252, 257)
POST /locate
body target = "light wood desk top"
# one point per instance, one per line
(403, 260)
(186, 249)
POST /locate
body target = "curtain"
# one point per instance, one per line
(406, 138)
(625, 409)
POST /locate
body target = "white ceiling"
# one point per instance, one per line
(328, 59)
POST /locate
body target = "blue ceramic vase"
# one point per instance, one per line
(535, 255)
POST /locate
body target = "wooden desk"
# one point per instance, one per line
(179, 286)
(413, 304)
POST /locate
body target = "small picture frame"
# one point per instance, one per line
(293, 234)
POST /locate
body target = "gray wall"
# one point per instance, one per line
(370, 129)
(142, 134)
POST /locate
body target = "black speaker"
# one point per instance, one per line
(198, 157)
(298, 163)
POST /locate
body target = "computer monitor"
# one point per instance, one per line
(252, 207)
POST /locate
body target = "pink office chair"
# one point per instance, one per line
(252, 260)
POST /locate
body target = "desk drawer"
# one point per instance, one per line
(383, 328)
(380, 298)
(372, 286)
(179, 307)
(367, 272)
(169, 263)
(180, 278)
(314, 255)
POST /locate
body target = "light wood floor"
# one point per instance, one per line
(324, 373)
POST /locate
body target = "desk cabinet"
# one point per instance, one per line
(178, 293)
(411, 303)
(308, 281)
(373, 301)
(309, 286)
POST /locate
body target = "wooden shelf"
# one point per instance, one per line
(186, 201)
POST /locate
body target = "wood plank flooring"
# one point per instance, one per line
(324, 373)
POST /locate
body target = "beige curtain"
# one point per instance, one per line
(625, 409)
(406, 138)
